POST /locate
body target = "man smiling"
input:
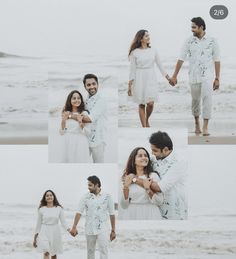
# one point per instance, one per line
(203, 53)
(96, 105)
(172, 172)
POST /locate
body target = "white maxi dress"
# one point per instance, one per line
(75, 143)
(143, 74)
(139, 206)
(48, 230)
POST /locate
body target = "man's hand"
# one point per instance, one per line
(173, 81)
(79, 118)
(216, 84)
(73, 232)
(112, 235)
(147, 183)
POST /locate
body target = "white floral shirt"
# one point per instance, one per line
(97, 209)
(173, 175)
(201, 53)
(96, 105)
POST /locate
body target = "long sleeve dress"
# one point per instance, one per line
(142, 71)
(75, 143)
(48, 230)
(139, 206)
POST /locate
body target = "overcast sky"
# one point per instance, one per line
(42, 27)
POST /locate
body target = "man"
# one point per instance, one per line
(172, 172)
(96, 105)
(203, 53)
(97, 206)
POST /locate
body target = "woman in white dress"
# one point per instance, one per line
(75, 145)
(142, 78)
(47, 238)
(138, 201)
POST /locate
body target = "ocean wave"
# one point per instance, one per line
(7, 55)
(78, 79)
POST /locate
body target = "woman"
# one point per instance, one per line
(137, 199)
(142, 79)
(75, 148)
(47, 238)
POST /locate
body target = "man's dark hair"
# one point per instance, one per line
(161, 140)
(95, 180)
(89, 76)
(199, 22)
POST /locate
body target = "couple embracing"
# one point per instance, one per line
(83, 124)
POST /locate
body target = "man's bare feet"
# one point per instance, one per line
(197, 129)
(205, 128)
(205, 132)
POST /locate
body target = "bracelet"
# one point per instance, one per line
(217, 79)
(113, 231)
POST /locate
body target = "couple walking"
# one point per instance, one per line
(98, 207)
(154, 187)
(203, 54)
(83, 124)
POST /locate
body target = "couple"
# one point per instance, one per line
(202, 52)
(83, 125)
(98, 207)
(154, 188)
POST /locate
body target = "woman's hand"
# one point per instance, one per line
(65, 116)
(35, 241)
(128, 180)
(130, 88)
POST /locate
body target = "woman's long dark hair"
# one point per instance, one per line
(68, 105)
(136, 43)
(44, 203)
(131, 167)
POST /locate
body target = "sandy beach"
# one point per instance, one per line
(221, 131)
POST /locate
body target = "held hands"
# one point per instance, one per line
(112, 235)
(216, 84)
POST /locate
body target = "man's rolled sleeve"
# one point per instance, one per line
(184, 51)
(111, 206)
(97, 111)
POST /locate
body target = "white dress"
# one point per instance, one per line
(75, 144)
(139, 206)
(142, 71)
(49, 233)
